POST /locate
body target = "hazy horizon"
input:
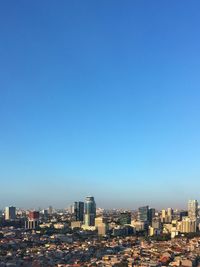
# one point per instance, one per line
(99, 98)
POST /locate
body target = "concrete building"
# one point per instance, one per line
(187, 225)
(192, 209)
(10, 213)
(163, 216)
(101, 225)
(33, 220)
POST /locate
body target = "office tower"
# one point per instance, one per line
(78, 210)
(169, 215)
(151, 215)
(33, 220)
(10, 213)
(143, 214)
(163, 216)
(90, 211)
(125, 218)
(192, 209)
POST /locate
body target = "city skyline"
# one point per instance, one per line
(99, 98)
(74, 205)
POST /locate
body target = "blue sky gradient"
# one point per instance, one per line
(99, 98)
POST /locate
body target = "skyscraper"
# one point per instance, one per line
(78, 210)
(151, 215)
(143, 214)
(90, 211)
(192, 209)
(169, 215)
(10, 213)
(163, 216)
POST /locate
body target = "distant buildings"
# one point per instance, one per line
(10, 213)
(125, 218)
(90, 211)
(50, 210)
(192, 209)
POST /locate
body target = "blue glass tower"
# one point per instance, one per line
(90, 211)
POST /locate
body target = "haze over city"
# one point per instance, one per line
(99, 98)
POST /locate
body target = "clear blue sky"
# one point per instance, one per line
(102, 98)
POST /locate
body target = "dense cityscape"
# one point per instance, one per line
(99, 133)
(84, 235)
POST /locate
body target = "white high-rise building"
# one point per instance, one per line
(192, 209)
(10, 213)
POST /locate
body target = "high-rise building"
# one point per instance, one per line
(143, 214)
(169, 215)
(78, 210)
(90, 211)
(192, 209)
(188, 225)
(102, 229)
(125, 218)
(163, 216)
(101, 225)
(151, 215)
(10, 213)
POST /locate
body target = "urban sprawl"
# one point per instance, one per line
(88, 236)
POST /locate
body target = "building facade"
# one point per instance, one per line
(192, 209)
(10, 213)
(90, 211)
(78, 210)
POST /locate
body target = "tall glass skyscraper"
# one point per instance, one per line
(143, 214)
(78, 210)
(90, 211)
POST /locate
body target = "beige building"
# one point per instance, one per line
(101, 225)
(187, 225)
(192, 209)
(163, 216)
